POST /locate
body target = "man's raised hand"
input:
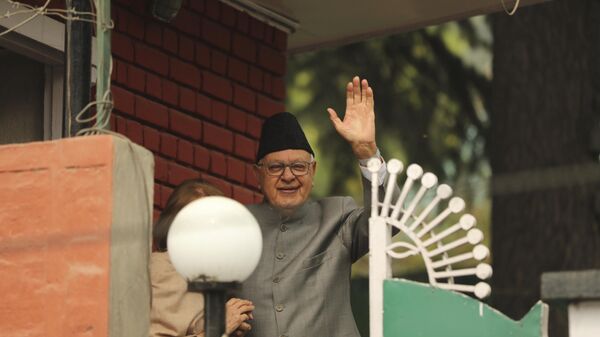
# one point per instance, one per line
(358, 126)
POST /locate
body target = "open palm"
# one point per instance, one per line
(358, 125)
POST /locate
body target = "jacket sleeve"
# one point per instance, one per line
(175, 311)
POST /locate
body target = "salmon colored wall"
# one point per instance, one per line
(55, 218)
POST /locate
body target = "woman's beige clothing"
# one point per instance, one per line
(175, 311)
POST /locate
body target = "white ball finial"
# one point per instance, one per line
(429, 180)
(467, 221)
(394, 166)
(482, 290)
(374, 165)
(483, 271)
(214, 239)
(414, 171)
(444, 191)
(456, 204)
(474, 236)
(480, 252)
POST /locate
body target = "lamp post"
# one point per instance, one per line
(214, 243)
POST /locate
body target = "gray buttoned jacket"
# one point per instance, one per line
(301, 286)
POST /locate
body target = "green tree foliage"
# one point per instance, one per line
(432, 90)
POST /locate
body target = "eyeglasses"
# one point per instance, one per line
(298, 168)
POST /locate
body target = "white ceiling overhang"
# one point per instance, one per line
(315, 24)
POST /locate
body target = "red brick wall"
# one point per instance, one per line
(195, 91)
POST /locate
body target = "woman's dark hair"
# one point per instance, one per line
(182, 195)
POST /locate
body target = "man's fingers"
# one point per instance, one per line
(370, 98)
(246, 308)
(349, 94)
(356, 89)
(334, 118)
(245, 327)
(363, 92)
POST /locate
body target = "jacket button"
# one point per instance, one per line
(279, 256)
(279, 307)
(276, 280)
(284, 228)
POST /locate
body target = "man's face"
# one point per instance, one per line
(289, 189)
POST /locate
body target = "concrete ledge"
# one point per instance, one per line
(571, 285)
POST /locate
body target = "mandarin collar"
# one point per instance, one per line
(298, 214)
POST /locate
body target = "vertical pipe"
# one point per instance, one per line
(77, 66)
(214, 312)
(103, 47)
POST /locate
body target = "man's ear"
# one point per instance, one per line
(314, 167)
(256, 171)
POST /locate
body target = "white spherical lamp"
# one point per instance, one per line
(214, 239)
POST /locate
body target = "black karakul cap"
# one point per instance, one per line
(282, 132)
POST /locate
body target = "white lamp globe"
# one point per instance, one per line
(214, 239)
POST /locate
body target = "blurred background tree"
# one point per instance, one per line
(432, 96)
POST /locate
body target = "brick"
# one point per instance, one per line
(251, 176)
(121, 71)
(216, 86)
(185, 152)
(151, 58)
(122, 46)
(238, 70)
(197, 6)
(121, 125)
(272, 60)
(112, 122)
(254, 126)
(228, 15)
(221, 184)
(243, 22)
(157, 194)
(218, 62)
(155, 216)
(202, 55)
(267, 107)
(187, 22)
(201, 157)
(219, 112)
(218, 137)
(185, 125)
(267, 83)
(136, 78)
(187, 99)
(243, 195)
(256, 78)
(134, 132)
(236, 119)
(269, 32)
(213, 9)
(179, 173)
(203, 105)
(161, 172)
(151, 112)
(135, 27)
(244, 147)
(280, 40)
(170, 91)
(185, 73)
(278, 88)
(151, 139)
(216, 35)
(165, 195)
(244, 98)
(244, 47)
(218, 163)
(168, 145)
(170, 40)
(154, 86)
(186, 48)
(257, 29)
(124, 100)
(113, 74)
(236, 170)
(153, 33)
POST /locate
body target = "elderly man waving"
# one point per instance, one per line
(301, 286)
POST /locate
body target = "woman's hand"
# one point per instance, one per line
(237, 312)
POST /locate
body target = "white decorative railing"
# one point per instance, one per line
(411, 213)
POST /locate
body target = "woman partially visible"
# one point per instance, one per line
(175, 311)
